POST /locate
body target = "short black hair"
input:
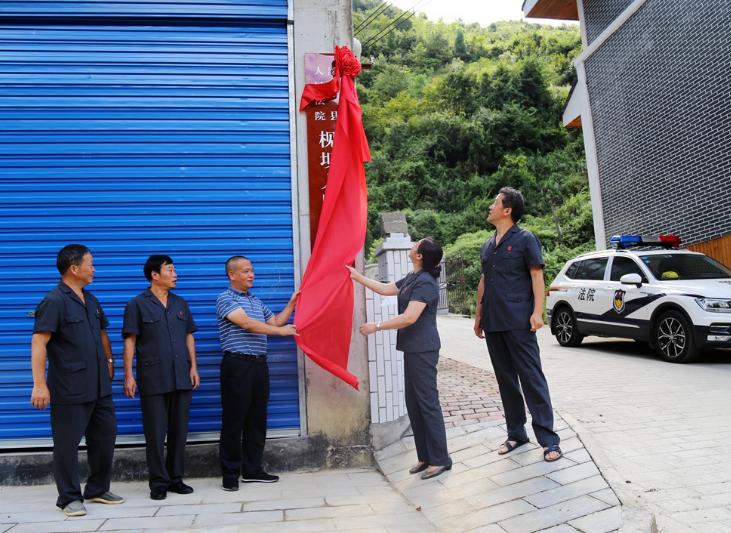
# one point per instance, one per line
(513, 199)
(71, 254)
(431, 256)
(234, 259)
(154, 263)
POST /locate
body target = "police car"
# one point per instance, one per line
(676, 300)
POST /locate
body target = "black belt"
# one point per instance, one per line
(258, 358)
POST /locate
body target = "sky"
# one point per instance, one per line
(482, 11)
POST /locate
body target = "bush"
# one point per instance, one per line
(464, 266)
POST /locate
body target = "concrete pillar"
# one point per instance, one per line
(337, 417)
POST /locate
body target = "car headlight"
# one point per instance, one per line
(715, 305)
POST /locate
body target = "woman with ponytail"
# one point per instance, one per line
(418, 338)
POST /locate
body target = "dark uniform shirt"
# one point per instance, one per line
(422, 335)
(507, 301)
(77, 365)
(163, 361)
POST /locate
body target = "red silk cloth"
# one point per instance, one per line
(324, 313)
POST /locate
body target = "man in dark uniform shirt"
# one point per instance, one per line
(70, 332)
(509, 312)
(158, 328)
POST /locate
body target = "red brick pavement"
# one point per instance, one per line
(468, 395)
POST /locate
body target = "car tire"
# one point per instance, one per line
(673, 338)
(564, 325)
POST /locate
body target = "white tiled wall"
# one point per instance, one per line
(386, 364)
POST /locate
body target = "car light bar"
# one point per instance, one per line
(627, 240)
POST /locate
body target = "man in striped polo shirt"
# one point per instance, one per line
(244, 322)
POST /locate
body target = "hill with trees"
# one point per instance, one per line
(455, 111)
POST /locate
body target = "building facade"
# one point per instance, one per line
(164, 127)
(652, 99)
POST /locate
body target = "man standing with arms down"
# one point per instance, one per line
(244, 322)
(509, 312)
(70, 333)
(159, 328)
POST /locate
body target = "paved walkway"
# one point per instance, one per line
(516, 493)
(340, 500)
(659, 432)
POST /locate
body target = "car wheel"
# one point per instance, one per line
(564, 325)
(673, 338)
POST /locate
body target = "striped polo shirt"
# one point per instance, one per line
(234, 338)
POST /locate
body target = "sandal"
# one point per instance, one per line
(510, 447)
(550, 449)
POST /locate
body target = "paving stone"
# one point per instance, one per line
(606, 495)
(70, 525)
(411, 520)
(295, 526)
(253, 517)
(578, 456)
(455, 508)
(482, 472)
(327, 512)
(294, 503)
(552, 516)
(574, 473)
(567, 492)
(150, 522)
(489, 515)
(492, 528)
(207, 508)
(511, 492)
(531, 471)
(50, 515)
(600, 522)
(563, 528)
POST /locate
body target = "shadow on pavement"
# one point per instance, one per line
(629, 348)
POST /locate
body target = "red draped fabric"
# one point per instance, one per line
(324, 312)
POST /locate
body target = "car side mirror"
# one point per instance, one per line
(631, 279)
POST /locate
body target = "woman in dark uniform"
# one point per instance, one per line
(418, 338)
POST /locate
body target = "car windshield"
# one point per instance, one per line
(668, 267)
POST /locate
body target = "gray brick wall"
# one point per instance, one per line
(660, 93)
(599, 14)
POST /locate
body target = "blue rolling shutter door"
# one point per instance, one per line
(141, 138)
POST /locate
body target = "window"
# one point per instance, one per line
(625, 265)
(592, 269)
(572, 270)
(684, 266)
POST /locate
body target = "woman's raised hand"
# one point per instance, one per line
(354, 274)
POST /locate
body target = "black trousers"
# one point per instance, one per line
(517, 364)
(422, 405)
(69, 423)
(165, 415)
(244, 399)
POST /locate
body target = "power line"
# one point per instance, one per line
(364, 24)
(406, 15)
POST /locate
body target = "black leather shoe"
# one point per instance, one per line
(230, 486)
(259, 477)
(158, 493)
(180, 488)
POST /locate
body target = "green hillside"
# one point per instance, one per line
(455, 111)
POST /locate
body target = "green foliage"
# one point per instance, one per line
(455, 111)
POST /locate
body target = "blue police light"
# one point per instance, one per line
(625, 241)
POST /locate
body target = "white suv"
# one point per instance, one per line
(678, 301)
